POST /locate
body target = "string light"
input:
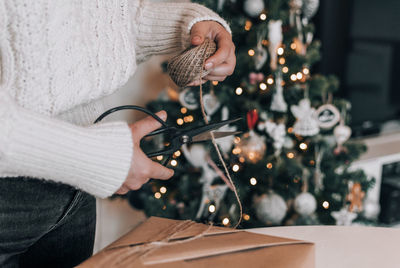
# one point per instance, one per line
(239, 91)
(237, 140)
(211, 208)
(303, 146)
(280, 51)
(190, 118)
(235, 168)
(236, 151)
(253, 181)
(183, 110)
(270, 81)
(290, 155)
(293, 77)
(290, 130)
(306, 71)
(179, 121)
(157, 195)
(263, 86)
(215, 83)
(174, 163)
(293, 46)
(282, 60)
(263, 16)
(225, 221)
(163, 190)
(251, 52)
(246, 217)
(299, 75)
(325, 204)
(312, 162)
(248, 25)
(159, 157)
(269, 165)
(241, 159)
(285, 69)
(177, 153)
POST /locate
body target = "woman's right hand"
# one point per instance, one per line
(143, 168)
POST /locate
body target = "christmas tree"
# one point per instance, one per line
(291, 164)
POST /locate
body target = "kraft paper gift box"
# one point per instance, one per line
(160, 242)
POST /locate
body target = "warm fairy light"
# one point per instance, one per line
(285, 69)
(263, 86)
(235, 168)
(163, 190)
(159, 157)
(280, 51)
(303, 146)
(239, 91)
(177, 153)
(242, 159)
(264, 42)
(270, 81)
(236, 151)
(179, 121)
(215, 83)
(252, 155)
(251, 52)
(325, 204)
(211, 208)
(293, 46)
(269, 165)
(237, 140)
(253, 181)
(246, 217)
(282, 60)
(290, 130)
(299, 75)
(183, 110)
(186, 119)
(306, 71)
(174, 163)
(293, 77)
(190, 118)
(247, 26)
(157, 195)
(312, 162)
(263, 16)
(225, 221)
(290, 155)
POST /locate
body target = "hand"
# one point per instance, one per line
(142, 167)
(223, 62)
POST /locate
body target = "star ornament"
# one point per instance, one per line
(344, 217)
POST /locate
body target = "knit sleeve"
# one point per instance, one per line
(164, 28)
(95, 159)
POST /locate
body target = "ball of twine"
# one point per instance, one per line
(188, 66)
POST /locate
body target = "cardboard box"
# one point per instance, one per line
(160, 242)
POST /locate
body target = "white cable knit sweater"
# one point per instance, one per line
(58, 58)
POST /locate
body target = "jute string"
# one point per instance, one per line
(193, 59)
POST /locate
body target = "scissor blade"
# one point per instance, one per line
(217, 134)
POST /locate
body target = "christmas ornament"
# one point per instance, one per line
(271, 208)
(275, 40)
(295, 22)
(211, 104)
(371, 209)
(278, 103)
(306, 124)
(309, 9)
(327, 116)
(344, 216)
(187, 98)
(355, 197)
(211, 194)
(305, 204)
(252, 146)
(253, 8)
(226, 143)
(318, 175)
(342, 133)
(255, 78)
(277, 132)
(260, 53)
(295, 10)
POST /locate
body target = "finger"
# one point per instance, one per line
(122, 190)
(148, 124)
(198, 33)
(197, 83)
(223, 69)
(160, 172)
(215, 78)
(225, 45)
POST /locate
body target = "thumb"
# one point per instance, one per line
(147, 125)
(198, 34)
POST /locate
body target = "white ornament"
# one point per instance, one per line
(327, 116)
(344, 217)
(288, 143)
(211, 104)
(271, 209)
(196, 155)
(309, 9)
(305, 204)
(277, 132)
(371, 209)
(188, 99)
(278, 103)
(253, 8)
(275, 38)
(226, 143)
(306, 124)
(252, 147)
(260, 57)
(342, 133)
(214, 194)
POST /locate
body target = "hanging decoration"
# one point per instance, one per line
(275, 38)
(187, 98)
(253, 8)
(342, 133)
(318, 175)
(211, 104)
(271, 208)
(344, 216)
(226, 143)
(252, 146)
(309, 9)
(278, 103)
(255, 78)
(305, 203)
(277, 131)
(306, 124)
(355, 197)
(261, 55)
(295, 22)
(328, 116)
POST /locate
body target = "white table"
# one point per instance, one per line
(346, 246)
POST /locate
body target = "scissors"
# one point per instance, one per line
(177, 137)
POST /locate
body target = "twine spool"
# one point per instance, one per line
(188, 66)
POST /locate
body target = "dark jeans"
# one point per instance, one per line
(44, 224)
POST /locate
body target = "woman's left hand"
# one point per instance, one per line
(223, 62)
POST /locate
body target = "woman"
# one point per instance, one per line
(58, 59)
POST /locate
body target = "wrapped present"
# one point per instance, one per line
(160, 242)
